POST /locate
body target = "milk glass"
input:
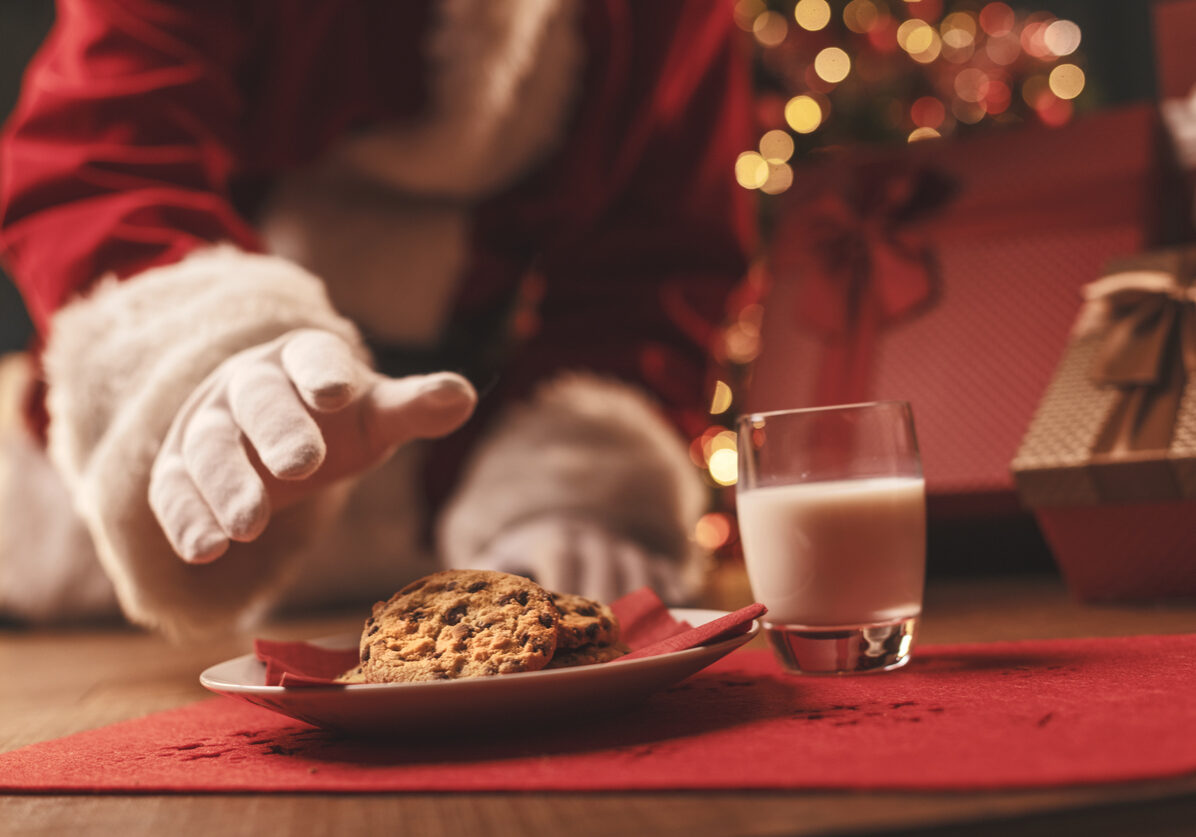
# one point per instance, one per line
(832, 517)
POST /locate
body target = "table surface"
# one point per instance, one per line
(54, 682)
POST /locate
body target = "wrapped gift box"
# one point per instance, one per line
(946, 274)
(1109, 461)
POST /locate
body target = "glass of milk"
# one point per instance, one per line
(832, 516)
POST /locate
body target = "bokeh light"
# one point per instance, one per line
(770, 29)
(971, 85)
(861, 16)
(776, 146)
(724, 466)
(751, 170)
(721, 400)
(927, 112)
(1066, 81)
(919, 134)
(812, 15)
(803, 114)
(780, 178)
(832, 64)
(746, 12)
(1062, 37)
(997, 19)
(712, 530)
(1003, 49)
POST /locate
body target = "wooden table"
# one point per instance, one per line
(56, 682)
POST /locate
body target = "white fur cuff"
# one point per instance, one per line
(119, 363)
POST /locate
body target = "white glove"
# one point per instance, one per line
(278, 422)
(570, 554)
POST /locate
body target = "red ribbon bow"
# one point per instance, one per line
(862, 268)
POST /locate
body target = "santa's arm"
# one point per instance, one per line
(117, 163)
(594, 472)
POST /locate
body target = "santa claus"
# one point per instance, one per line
(270, 247)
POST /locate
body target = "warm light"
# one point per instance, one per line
(746, 12)
(968, 112)
(927, 112)
(832, 64)
(971, 84)
(932, 52)
(1062, 37)
(741, 340)
(712, 530)
(922, 134)
(780, 178)
(751, 170)
(914, 35)
(1066, 81)
(1003, 50)
(776, 146)
(996, 19)
(998, 97)
(770, 29)
(812, 14)
(860, 16)
(724, 466)
(803, 114)
(1034, 38)
(722, 398)
(958, 29)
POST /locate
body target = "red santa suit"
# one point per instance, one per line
(513, 188)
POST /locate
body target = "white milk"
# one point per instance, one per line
(844, 552)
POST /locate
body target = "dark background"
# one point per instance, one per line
(1117, 43)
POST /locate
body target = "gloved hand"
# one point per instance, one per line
(278, 422)
(571, 554)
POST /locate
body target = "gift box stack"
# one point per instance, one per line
(948, 274)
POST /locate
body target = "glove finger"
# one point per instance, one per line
(397, 410)
(185, 518)
(323, 369)
(283, 433)
(215, 457)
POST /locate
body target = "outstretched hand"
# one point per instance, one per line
(278, 422)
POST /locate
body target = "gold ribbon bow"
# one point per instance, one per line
(1148, 318)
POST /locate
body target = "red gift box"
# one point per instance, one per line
(1109, 461)
(947, 274)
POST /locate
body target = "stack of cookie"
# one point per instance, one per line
(477, 623)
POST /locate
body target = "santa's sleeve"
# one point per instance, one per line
(116, 222)
(634, 302)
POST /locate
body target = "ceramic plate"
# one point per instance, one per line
(387, 708)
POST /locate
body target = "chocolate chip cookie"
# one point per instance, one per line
(584, 622)
(459, 623)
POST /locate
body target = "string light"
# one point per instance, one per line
(803, 114)
(832, 64)
(1066, 81)
(812, 15)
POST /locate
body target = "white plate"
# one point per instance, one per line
(382, 708)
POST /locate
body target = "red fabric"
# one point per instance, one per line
(148, 127)
(647, 629)
(1031, 215)
(960, 717)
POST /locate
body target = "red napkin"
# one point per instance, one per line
(648, 628)
(960, 717)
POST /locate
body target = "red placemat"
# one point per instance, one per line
(960, 717)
